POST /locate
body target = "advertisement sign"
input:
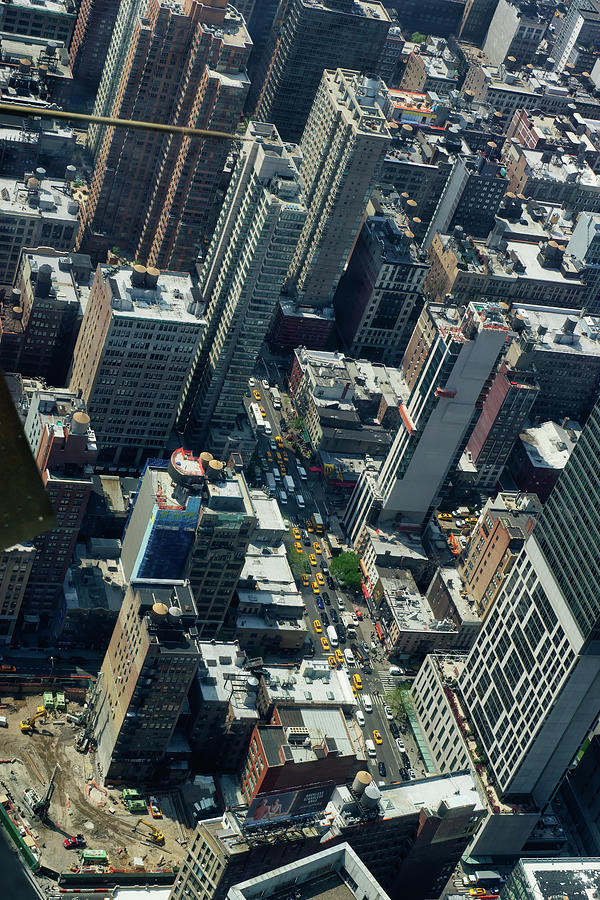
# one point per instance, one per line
(295, 804)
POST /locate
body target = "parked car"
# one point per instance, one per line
(324, 618)
(334, 616)
(412, 775)
(394, 729)
(325, 596)
(388, 713)
(382, 769)
(400, 745)
(360, 717)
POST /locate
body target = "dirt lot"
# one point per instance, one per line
(79, 802)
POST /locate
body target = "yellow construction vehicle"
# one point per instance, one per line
(156, 836)
(28, 725)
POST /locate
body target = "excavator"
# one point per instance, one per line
(156, 836)
(28, 725)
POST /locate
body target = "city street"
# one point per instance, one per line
(375, 683)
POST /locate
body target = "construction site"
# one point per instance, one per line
(55, 804)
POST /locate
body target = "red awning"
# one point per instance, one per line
(365, 591)
(379, 632)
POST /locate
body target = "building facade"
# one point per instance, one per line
(534, 697)
(379, 297)
(15, 568)
(342, 146)
(147, 671)
(157, 203)
(305, 39)
(93, 32)
(133, 395)
(437, 416)
(256, 235)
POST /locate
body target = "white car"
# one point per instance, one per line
(388, 713)
(400, 745)
(265, 383)
(411, 775)
(354, 617)
(360, 717)
(340, 603)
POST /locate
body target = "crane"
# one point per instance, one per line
(37, 805)
(28, 725)
(157, 837)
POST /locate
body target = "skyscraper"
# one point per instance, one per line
(94, 28)
(531, 684)
(241, 279)
(137, 344)
(446, 365)
(343, 146)
(153, 193)
(64, 446)
(305, 39)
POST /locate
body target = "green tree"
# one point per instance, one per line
(418, 38)
(345, 567)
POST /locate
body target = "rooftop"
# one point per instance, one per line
(306, 731)
(312, 681)
(556, 330)
(576, 879)
(63, 7)
(94, 584)
(549, 445)
(559, 167)
(223, 678)
(48, 198)
(268, 515)
(171, 299)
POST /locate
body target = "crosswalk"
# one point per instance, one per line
(388, 682)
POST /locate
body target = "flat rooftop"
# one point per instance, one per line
(575, 879)
(223, 678)
(171, 299)
(325, 686)
(561, 168)
(556, 330)
(49, 198)
(549, 445)
(268, 568)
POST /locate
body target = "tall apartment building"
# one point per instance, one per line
(153, 194)
(257, 231)
(51, 20)
(227, 523)
(446, 365)
(15, 568)
(93, 32)
(379, 297)
(34, 212)
(143, 683)
(119, 45)
(580, 28)
(343, 145)
(162, 524)
(531, 684)
(137, 344)
(305, 39)
(516, 30)
(48, 308)
(506, 406)
(476, 19)
(58, 430)
(505, 523)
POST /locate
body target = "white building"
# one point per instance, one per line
(241, 278)
(138, 341)
(35, 212)
(343, 145)
(445, 366)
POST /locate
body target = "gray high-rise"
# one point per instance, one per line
(531, 685)
(306, 38)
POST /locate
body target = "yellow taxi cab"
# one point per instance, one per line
(285, 456)
(444, 516)
(256, 395)
(377, 737)
(269, 456)
(309, 526)
(317, 626)
(278, 456)
(332, 662)
(312, 559)
(315, 587)
(472, 520)
(305, 579)
(279, 440)
(298, 546)
(319, 529)
(357, 682)
(339, 656)
(263, 412)
(324, 643)
(320, 579)
(296, 533)
(317, 547)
